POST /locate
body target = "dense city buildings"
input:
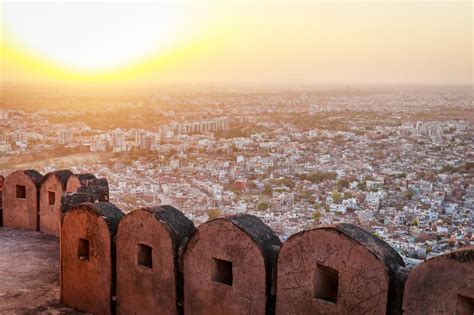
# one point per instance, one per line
(65, 136)
(396, 161)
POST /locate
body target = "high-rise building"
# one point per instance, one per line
(65, 136)
(117, 138)
(3, 115)
(216, 124)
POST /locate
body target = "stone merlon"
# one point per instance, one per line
(153, 260)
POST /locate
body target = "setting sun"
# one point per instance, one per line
(80, 41)
(316, 42)
(236, 157)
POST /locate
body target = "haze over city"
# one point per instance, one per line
(237, 157)
(284, 42)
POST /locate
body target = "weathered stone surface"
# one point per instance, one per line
(69, 200)
(442, 285)
(229, 263)
(104, 189)
(29, 273)
(338, 269)
(94, 191)
(148, 277)
(88, 183)
(88, 257)
(21, 199)
(78, 180)
(52, 188)
(2, 181)
(228, 266)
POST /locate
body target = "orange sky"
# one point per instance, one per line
(312, 42)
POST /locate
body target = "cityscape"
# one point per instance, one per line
(236, 157)
(397, 161)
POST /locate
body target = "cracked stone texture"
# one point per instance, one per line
(22, 212)
(364, 278)
(50, 214)
(224, 239)
(88, 183)
(442, 285)
(150, 290)
(78, 180)
(29, 273)
(87, 283)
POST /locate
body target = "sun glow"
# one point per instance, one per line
(296, 42)
(99, 41)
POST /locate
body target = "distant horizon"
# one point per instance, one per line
(246, 43)
(227, 84)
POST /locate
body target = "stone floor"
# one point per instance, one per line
(29, 273)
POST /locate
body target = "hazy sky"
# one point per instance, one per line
(312, 42)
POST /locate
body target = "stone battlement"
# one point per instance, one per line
(154, 260)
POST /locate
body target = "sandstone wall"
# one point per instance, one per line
(148, 272)
(88, 257)
(88, 183)
(442, 285)
(228, 266)
(338, 269)
(52, 189)
(20, 198)
(2, 181)
(153, 261)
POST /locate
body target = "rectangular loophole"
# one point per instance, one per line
(326, 284)
(83, 249)
(51, 198)
(464, 305)
(20, 191)
(145, 258)
(223, 271)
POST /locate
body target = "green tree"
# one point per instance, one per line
(362, 186)
(336, 197)
(213, 213)
(342, 183)
(316, 216)
(262, 206)
(252, 185)
(288, 182)
(268, 190)
(429, 249)
(348, 195)
(318, 177)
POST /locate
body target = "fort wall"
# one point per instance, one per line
(154, 261)
(52, 188)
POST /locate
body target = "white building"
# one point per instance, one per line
(65, 136)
